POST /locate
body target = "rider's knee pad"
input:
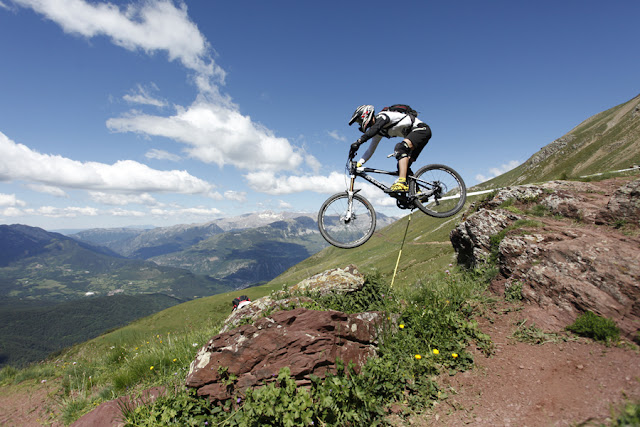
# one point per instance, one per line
(402, 150)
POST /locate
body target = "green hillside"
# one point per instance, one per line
(427, 250)
(605, 142)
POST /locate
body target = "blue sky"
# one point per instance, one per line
(162, 112)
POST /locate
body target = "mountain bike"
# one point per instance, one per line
(347, 220)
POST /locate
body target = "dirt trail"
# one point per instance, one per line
(558, 383)
(29, 403)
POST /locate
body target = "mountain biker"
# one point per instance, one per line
(389, 124)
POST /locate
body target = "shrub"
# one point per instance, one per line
(599, 328)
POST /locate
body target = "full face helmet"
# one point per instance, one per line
(363, 115)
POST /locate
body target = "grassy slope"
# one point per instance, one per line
(605, 142)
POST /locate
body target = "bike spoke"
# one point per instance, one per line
(343, 227)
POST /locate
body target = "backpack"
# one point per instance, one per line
(399, 108)
(237, 301)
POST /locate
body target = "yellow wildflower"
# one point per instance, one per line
(435, 351)
(175, 360)
(418, 357)
(151, 368)
(454, 355)
(401, 326)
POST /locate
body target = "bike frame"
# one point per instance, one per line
(355, 172)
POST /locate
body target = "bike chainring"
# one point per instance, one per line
(404, 204)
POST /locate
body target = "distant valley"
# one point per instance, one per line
(238, 252)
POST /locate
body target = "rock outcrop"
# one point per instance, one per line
(307, 341)
(577, 248)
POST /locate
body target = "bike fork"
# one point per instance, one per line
(350, 192)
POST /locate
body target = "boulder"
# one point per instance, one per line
(306, 341)
(565, 263)
(337, 281)
(623, 206)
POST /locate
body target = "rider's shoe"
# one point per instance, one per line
(400, 186)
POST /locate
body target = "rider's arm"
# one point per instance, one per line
(381, 121)
(371, 149)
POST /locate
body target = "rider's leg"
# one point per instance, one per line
(403, 153)
(403, 163)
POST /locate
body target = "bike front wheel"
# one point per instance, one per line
(439, 190)
(343, 227)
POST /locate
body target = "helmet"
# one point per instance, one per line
(363, 116)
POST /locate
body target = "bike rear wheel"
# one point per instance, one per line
(440, 191)
(344, 232)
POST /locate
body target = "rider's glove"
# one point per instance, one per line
(354, 148)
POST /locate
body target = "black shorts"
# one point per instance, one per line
(419, 138)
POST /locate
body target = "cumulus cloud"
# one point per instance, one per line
(67, 212)
(238, 196)
(10, 200)
(151, 26)
(162, 155)
(48, 189)
(498, 171)
(268, 182)
(217, 134)
(19, 162)
(11, 212)
(212, 128)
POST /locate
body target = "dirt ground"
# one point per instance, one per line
(29, 403)
(557, 383)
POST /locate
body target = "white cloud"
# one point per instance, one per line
(238, 196)
(216, 134)
(153, 25)
(498, 171)
(68, 212)
(19, 162)
(185, 212)
(337, 136)
(268, 182)
(4, 6)
(11, 212)
(162, 155)
(125, 212)
(123, 199)
(284, 205)
(10, 200)
(142, 96)
(48, 189)
(312, 162)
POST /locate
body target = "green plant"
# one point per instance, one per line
(599, 328)
(628, 416)
(513, 292)
(428, 328)
(533, 335)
